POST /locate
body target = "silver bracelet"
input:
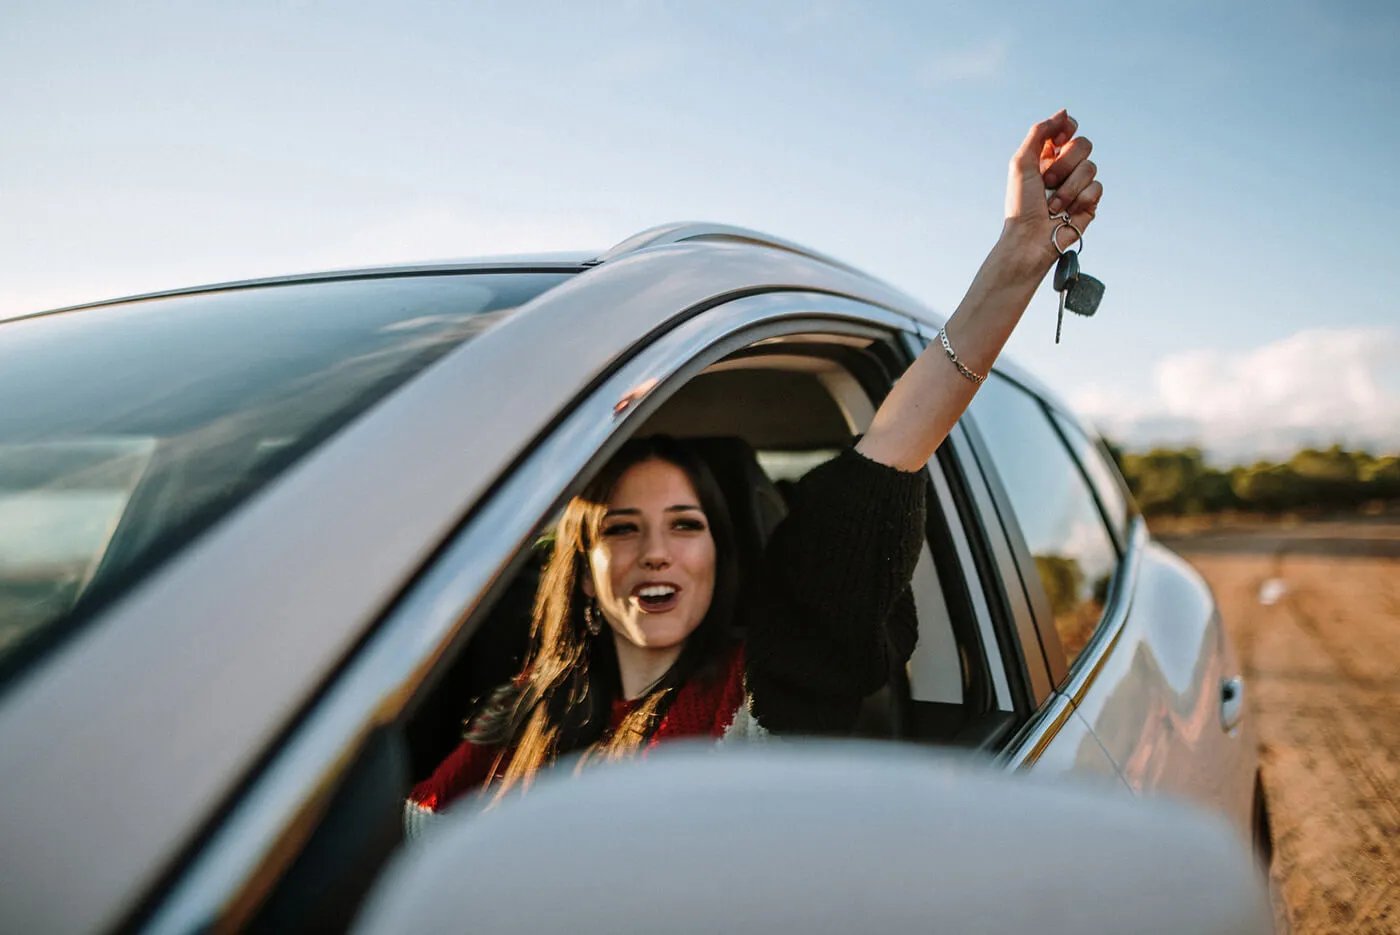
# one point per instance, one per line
(976, 378)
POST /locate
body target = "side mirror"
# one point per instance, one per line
(827, 837)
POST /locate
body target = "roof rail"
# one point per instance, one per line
(688, 231)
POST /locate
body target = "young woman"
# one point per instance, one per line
(644, 628)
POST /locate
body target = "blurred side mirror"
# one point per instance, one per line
(844, 837)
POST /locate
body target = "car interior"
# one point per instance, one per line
(761, 418)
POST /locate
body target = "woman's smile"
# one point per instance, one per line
(653, 560)
(657, 597)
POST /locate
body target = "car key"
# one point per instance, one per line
(1066, 274)
(1066, 270)
(1083, 295)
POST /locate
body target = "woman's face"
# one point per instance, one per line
(653, 567)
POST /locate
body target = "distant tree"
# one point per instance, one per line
(1327, 478)
(1179, 483)
(1271, 488)
(1380, 478)
(1164, 481)
(1215, 492)
(1063, 581)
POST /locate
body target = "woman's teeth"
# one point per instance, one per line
(655, 598)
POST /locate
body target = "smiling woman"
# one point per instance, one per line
(653, 567)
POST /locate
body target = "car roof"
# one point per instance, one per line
(679, 232)
(517, 263)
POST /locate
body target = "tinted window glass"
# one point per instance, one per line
(1102, 474)
(1063, 528)
(129, 428)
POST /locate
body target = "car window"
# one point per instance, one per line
(752, 440)
(1064, 531)
(1103, 476)
(143, 422)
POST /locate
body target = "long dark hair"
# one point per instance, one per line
(562, 700)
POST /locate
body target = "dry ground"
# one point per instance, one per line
(1323, 679)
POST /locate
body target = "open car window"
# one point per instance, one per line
(761, 419)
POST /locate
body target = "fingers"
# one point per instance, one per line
(1068, 188)
(1070, 157)
(1055, 132)
(1053, 157)
(1086, 207)
(1082, 212)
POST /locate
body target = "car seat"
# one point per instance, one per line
(755, 505)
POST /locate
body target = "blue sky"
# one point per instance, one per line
(1248, 236)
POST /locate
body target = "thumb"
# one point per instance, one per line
(1056, 131)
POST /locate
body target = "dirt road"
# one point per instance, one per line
(1315, 613)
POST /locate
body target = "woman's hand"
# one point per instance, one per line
(1050, 158)
(931, 395)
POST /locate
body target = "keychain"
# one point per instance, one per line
(1079, 292)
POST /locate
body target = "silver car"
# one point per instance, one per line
(262, 544)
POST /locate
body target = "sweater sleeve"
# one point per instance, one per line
(465, 769)
(827, 613)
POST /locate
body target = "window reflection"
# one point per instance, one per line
(1101, 475)
(1056, 511)
(144, 422)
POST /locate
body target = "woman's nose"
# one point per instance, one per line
(656, 554)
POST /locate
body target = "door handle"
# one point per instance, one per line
(1231, 702)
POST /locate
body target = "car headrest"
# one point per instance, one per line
(755, 505)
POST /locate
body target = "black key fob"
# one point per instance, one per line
(1066, 270)
(1084, 295)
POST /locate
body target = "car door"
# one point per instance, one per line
(1047, 733)
(1130, 635)
(1165, 696)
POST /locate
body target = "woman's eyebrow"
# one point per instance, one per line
(633, 511)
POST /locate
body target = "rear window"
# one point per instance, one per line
(129, 429)
(1075, 557)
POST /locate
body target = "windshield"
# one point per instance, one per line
(128, 429)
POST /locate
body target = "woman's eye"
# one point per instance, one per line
(619, 529)
(690, 525)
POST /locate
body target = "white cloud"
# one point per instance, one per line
(1316, 387)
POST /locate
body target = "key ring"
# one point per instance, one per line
(1055, 234)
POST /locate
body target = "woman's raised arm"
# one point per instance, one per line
(927, 401)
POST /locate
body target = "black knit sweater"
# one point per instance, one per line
(828, 614)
